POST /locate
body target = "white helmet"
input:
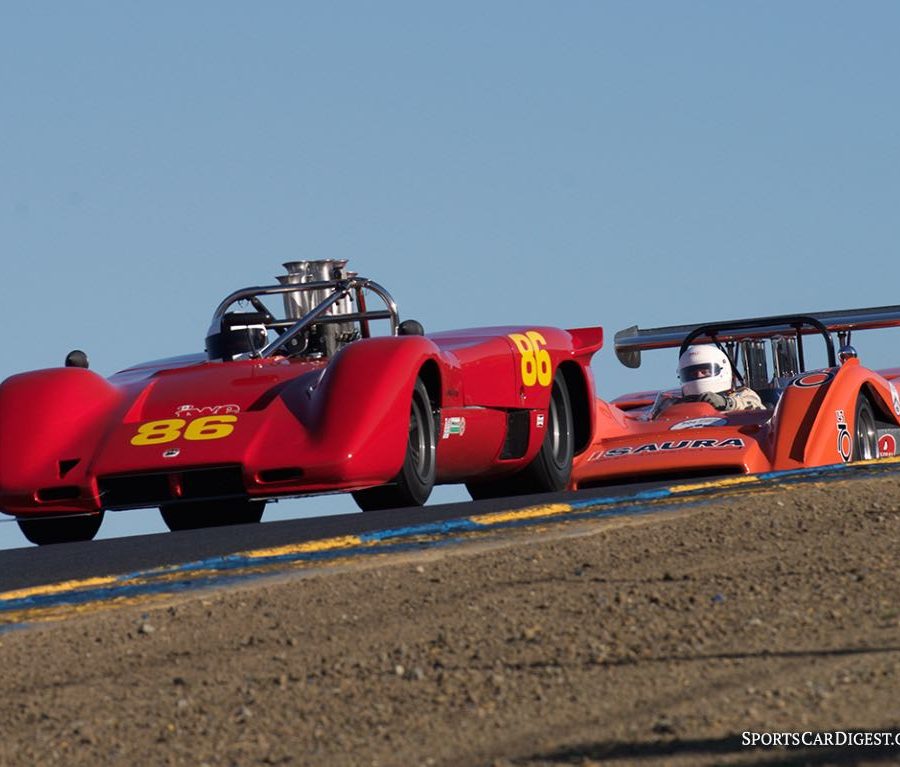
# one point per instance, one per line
(704, 368)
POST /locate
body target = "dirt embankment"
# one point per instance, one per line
(657, 641)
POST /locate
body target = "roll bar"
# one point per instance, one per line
(292, 328)
(725, 331)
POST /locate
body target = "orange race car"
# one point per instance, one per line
(804, 416)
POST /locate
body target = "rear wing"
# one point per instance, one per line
(630, 342)
(586, 340)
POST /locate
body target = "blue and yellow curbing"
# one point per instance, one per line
(59, 601)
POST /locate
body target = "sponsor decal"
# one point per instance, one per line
(190, 411)
(895, 398)
(454, 426)
(887, 446)
(172, 452)
(844, 441)
(699, 423)
(666, 447)
(812, 380)
(539, 421)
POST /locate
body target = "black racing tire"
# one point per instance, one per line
(413, 485)
(551, 468)
(865, 433)
(200, 514)
(48, 530)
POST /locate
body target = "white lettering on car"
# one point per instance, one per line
(733, 443)
(844, 441)
(190, 411)
(895, 398)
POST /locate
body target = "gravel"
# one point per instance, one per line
(650, 640)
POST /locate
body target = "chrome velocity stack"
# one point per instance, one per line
(300, 302)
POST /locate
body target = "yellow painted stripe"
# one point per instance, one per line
(530, 513)
(717, 483)
(56, 588)
(163, 576)
(871, 461)
(62, 612)
(328, 544)
(355, 541)
(176, 574)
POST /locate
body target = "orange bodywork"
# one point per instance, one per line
(809, 422)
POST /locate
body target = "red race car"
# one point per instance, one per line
(309, 403)
(802, 417)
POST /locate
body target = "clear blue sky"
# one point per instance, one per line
(570, 164)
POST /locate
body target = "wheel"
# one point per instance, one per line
(551, 468)
(865, 438)
(192, 516)
(82, 527)
(412, 486)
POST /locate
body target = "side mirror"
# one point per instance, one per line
(847, 352)
(77, 359)
(410, 328)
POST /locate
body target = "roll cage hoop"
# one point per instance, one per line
(728, 331)
(334, 291)
(747, 338)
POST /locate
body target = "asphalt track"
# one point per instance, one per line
(59, 582)
(32, 566)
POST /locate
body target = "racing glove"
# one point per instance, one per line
(718, 401)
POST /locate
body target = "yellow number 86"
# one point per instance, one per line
(537, 367)
(170, 429)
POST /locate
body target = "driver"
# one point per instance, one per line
(706, 376)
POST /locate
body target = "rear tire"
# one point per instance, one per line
(61, 529)
(414, 483)
(194, 516)
(551, 468)
(865, 439)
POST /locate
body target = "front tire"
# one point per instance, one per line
(61, 529)
(414, 483)
(865, 439)
(194, 516)
(551, 468)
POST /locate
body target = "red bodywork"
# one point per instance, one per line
(809, 422)
(191, 429)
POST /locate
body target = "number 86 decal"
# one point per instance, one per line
(537, 367)
(170, 429)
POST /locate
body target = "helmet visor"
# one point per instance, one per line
(699, 372)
